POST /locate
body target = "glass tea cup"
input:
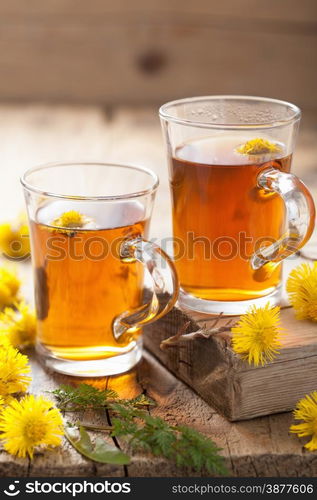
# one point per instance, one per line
(238, 212)
(88, 228)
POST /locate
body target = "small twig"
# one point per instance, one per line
(97, 428)
(175, 338)
(80, 408)
(203, 332)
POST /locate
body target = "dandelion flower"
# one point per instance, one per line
(258, 146)
(14, 372)
(256, 336)
(15, 240)
(9, 287)
(18, 326)
(301, 287)
(70, 219)
(29, 424)
(4, 340)
(306, 410)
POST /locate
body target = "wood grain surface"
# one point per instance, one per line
(238, 391)
(147, 51)
(259, 447)
(33, 134)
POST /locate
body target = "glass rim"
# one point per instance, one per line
(165, 114)
(134, 194)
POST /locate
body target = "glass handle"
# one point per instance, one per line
(164, 281)
(300, 220)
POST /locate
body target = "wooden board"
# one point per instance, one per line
(261, 447)
(236, 389)
(147, 51)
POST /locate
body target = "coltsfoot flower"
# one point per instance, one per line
(70, 222)
(306, 410)
(18, 326)
(256, 336)
(14, 372)
(9, 287)
(15, 239)
(301, 287)
(71, 219)
(30, 424)
(258, 146)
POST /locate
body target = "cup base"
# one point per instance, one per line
(94, 367)
(226, 308)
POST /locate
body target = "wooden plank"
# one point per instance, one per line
(250, 448)
(66, 460)
(287, 10)
(212, 369)
(149, 52)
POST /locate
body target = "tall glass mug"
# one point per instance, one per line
(237, 209)
(88, 224)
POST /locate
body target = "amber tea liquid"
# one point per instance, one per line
(79, 289)
(215, 200)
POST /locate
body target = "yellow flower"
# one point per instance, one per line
(258, 146)
(256, 336)
(18, 326)
(302, 291)
(9, 287)
(14, 372)
(70, 219)
(28, 424)
(15, 240)
(306, 410)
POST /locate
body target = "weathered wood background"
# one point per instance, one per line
(145, 51)
(32, 134)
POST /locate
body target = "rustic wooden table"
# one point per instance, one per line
(33, 134)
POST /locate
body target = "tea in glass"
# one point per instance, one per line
(223, 217)
(81, 283)
(237, 210)
(89, 223)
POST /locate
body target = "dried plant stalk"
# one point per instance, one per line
(204, 332)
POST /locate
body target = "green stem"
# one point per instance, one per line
(98, 428)
(81, 408)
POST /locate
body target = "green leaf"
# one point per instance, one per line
(183, 445)
(99, 451)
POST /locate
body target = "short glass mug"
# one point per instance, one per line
(237, 209)
(88, 224)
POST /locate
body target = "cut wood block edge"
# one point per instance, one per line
(227, 383)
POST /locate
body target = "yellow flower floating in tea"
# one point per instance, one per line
(302, 291)
(18, 326)
(14, 372)
(9, 287)
(256, 336)
(69, 221)
(258, 146)
(15, 239)
(306, 410)
(30, 424)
